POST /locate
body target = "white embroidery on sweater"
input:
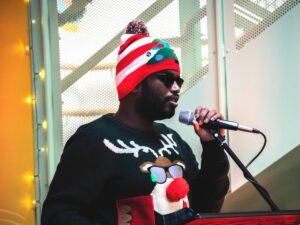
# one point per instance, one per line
(167, 141)
(169, 144)
(127, 149)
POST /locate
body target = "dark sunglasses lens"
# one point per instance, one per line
(169, 79)
(179, 81)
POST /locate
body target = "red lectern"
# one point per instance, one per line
(249, 218)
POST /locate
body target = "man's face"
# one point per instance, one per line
(159, 95)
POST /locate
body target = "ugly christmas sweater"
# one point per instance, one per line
(110, 174)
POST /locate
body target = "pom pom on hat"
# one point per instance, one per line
(137, 27)
(140, 56)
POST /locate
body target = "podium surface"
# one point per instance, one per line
(249, 218)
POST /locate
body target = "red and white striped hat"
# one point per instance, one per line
(140, 56)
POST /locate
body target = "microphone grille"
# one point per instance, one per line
(186, 117)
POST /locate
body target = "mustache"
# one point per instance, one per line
(173, 97)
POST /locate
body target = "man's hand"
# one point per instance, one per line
(204, 115)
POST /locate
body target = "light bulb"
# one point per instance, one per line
(42, 74)
(44, 124)
(27, 50)
(29, 100)
(28, 178)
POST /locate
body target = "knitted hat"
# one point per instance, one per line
(140, 56)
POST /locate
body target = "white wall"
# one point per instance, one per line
(264, 92)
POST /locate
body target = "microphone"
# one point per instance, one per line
(187, 117)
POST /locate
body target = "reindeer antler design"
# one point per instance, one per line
(127, 149)
(167, 142)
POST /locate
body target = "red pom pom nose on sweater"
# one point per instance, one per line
(177, 189)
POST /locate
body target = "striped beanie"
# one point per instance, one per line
(140, 56)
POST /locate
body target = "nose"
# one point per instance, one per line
(175, 87)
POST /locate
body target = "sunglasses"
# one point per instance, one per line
(168, 79)
(160, 173)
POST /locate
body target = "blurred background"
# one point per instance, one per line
(240, 57)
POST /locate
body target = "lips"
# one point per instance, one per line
(173, 100)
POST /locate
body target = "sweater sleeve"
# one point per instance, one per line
(74, 188)
(210, 185)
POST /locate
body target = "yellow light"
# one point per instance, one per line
(20, 48)
(33, 202)
(29, 100)
(42, 149)
(42, 74)
(44, 124)
(26, 1)
(27, 50)
(33, 21)
(29, 178)
(27, 202)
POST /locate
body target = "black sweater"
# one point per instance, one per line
(106, 161)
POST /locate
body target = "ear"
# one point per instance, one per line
(137, 88)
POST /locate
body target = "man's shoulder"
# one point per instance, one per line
(163, 128)
(93, 131)
(95, 126)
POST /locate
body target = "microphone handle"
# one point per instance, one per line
(221, 124)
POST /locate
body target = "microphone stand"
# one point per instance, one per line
(263, 192)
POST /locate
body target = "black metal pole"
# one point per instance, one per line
(247, 174)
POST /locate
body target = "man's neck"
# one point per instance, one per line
(133, 119)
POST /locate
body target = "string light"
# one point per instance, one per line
(29, 178)
(27, 50)
(27, 202)
(40, 126)
(34, 202)
(44, 124)
(30, 100)
(42, 74)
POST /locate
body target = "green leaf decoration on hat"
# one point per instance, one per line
(160, 44)
(161, 55)
(164, 52)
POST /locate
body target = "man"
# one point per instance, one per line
(124, 168)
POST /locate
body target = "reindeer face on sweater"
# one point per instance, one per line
(170, 190)
(162, 169)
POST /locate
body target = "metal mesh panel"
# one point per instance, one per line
(252, 17)
(89, 32)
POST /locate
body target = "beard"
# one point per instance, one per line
(153, 106)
